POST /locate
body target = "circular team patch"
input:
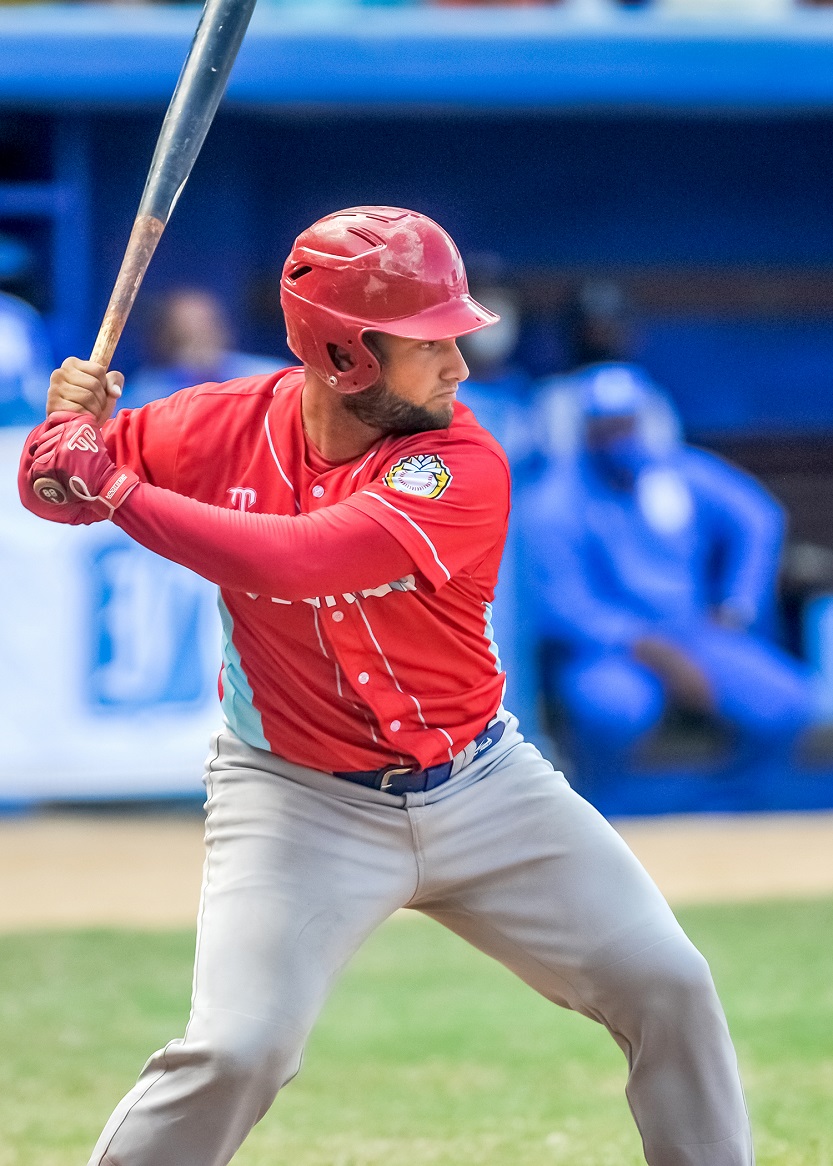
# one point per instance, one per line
(423, 474)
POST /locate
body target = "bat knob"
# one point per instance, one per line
(49, 490)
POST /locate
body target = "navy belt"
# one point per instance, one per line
(394, 779)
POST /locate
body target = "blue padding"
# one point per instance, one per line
(512, 58)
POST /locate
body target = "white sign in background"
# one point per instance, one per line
(108, 684)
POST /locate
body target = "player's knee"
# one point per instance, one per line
(680, 974)
(673, 981)
(666, 985)
(255, 1059)
(614, 700)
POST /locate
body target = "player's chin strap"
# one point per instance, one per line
(114, 490)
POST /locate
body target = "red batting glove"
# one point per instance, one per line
(70, 513)
(71, 449)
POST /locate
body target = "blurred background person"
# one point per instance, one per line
(653, 566)
(498, 389)
(189, 342)
(26, 358)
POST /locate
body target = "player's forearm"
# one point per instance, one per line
(334, 550)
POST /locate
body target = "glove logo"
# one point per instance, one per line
(84, 439)
(423, 474)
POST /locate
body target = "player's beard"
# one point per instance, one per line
(383, 409)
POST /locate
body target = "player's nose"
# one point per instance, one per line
(458, 370)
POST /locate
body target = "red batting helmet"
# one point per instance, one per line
(373, 268)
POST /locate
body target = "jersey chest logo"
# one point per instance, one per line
(423, 474)
(242, 497)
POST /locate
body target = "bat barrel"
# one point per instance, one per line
(198, 92)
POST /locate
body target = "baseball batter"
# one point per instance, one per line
(353, 515)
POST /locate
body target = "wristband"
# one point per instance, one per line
(115, 488)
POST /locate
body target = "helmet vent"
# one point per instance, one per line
(299, 271)
(367, 236)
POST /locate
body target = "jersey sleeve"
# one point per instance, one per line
(333, 550)
(446, 503)
(147, 440)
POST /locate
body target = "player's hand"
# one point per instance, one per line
(71, 513)
(71, 449)
(687, 683)
(80, 386)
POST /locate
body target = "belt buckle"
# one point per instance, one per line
(393, 772)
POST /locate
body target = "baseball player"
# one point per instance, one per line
(352, 515)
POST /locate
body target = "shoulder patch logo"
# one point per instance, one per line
(423, 474)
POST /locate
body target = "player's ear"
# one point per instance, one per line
(341, 358)
(375, 343)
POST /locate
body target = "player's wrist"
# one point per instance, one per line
(117, 486)
(105, 497)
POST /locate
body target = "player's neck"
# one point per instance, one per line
(338, 435)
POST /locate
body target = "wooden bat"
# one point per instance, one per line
(200, 87)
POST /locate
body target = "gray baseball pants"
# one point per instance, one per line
(301, 867)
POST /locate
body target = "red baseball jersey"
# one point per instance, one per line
(406, 673)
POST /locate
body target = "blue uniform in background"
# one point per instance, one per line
(632, 534)
(25, 363)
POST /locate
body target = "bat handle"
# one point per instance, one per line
(50, 490)
(140, 248)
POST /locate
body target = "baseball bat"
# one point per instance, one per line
(220, 31)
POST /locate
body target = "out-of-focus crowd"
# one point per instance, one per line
(640, 572)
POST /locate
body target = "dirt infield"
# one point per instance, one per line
(144, 870)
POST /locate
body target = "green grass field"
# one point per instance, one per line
(427, 1053)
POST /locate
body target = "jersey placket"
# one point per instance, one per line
(347, 633)
(354, 627)
(368, 671)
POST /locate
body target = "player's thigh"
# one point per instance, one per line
(539, 880)
(294, 881)
(613, 692)
(755, 683)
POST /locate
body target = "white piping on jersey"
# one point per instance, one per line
(339, 689)
(392, 675)
(318, 633)
(450, 741)
(489, 632)
(359, 469)
(417, 528)
(278, 462)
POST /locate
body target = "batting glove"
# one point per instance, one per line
(71, 450)
(69, 513)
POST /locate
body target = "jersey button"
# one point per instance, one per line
(363, 678)
(318, 491)
(338, 616)
(395, 726)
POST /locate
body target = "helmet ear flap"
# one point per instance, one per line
(342, 359)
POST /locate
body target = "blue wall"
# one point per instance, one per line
(629, 195)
